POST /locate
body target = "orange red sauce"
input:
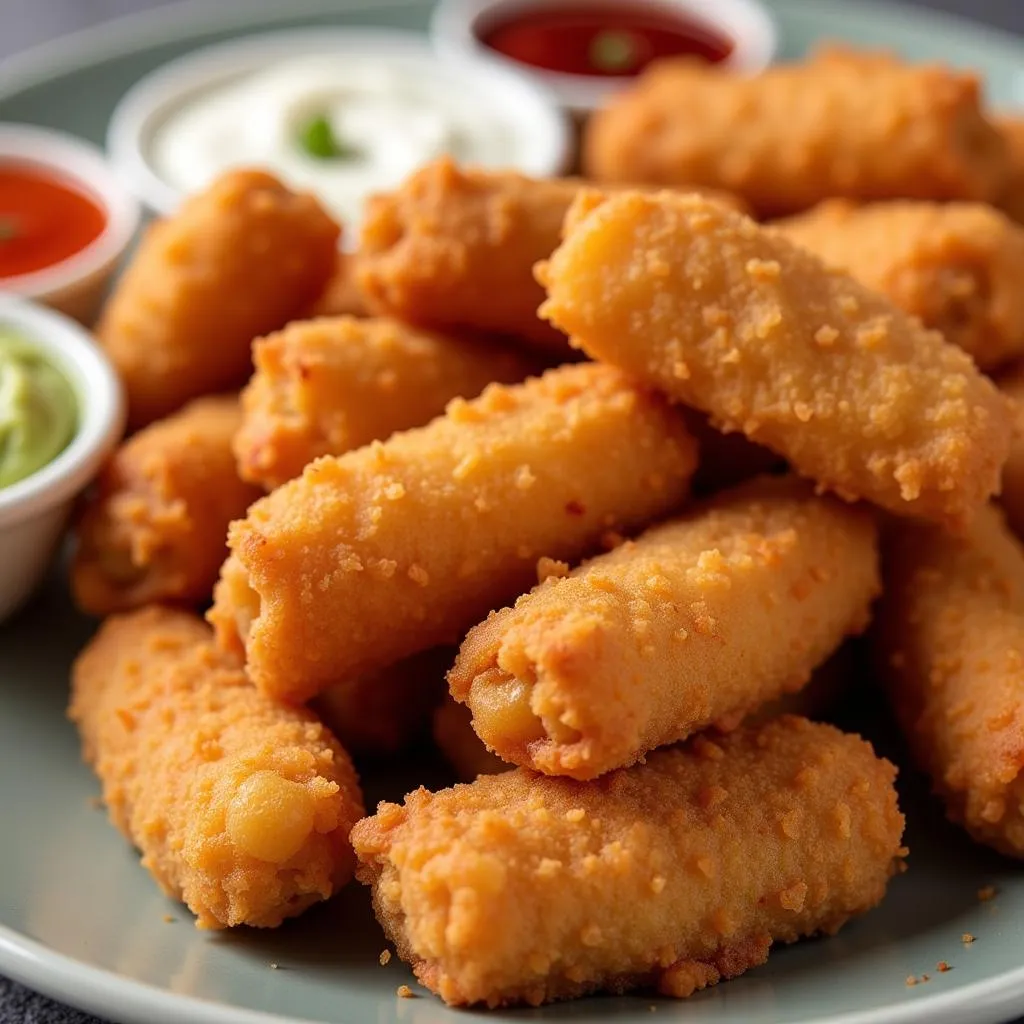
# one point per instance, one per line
(44, 219)
(608, 39)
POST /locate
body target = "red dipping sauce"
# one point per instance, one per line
(44, 219)
(614, 40)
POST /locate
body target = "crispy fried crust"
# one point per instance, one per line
(699, 621)
(950, 643)
(155, 527)
(324, 387)
(241, 807)
(1012, 494)
(737, 321)
(844, 123)
(455, 248)
(955, 266)
(374, 555)
(520, 888)
(237, 261)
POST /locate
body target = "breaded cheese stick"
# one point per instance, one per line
(155, 527)
(238, 260)
(844, 123)
(393, 548)
(955, 266)
(455, 247)
(382, 713)
(950, 640)
(1012, 495)
(700, 620)
(324, 387)
(342, 295)
(671, 874)
(241, 807)
(460, 745)
(736, 320)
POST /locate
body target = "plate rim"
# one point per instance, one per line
(98, 990)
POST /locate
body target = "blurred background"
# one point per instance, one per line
(23, 24)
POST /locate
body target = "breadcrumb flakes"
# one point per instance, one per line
(385, 957)
(404, 992)
(942, 967)
(967, 938)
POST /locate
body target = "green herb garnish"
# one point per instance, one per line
(613, 51)
(8, 229)
(319, 140)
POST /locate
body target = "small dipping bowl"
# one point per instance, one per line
(153, 103)
(35, 511)
(75, 283)
(737, 34)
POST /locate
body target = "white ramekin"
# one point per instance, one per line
(142, 109)
(35, 511)
(74, 286)
(748, 23)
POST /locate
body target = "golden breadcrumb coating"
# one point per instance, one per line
(699, 621)
(460, 745)
(388, 550)
(950, 640)
(155, 526)
(238, 260)
(455, 247)
(955, 266)
(241, 807)
(1012, 494)
(734, 319)
(843, 123)
(342, 295)
(520, 888)
(383, 713)
(324, 387)
(1011, 127)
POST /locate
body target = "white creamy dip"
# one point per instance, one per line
(372, 120)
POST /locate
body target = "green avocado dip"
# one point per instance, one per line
(38, 408)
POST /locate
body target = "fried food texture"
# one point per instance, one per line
(950, 643)
(735, 320)
(397, 547)
(1012, 495)
(155, 527)
(699, 621)
(859, 125)
(955, 266)
(241, 807)
(238, 260)
(324, 387)
(672, 874)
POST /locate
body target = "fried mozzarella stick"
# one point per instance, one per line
(241, 807)
(858, 125)
(1012, 495)
(950, 639)
(699, 621)
(736, 320)
(955, 266)
(155, 527)
(238, 260)
(324, 387)
(671, 874)
(393, 548)
(460, 745)
(455, 248)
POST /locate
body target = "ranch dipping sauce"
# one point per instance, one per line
(342, 126)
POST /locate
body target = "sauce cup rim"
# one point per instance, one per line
(153, 96)
(749, 24)
(70, 158)
(101, 408)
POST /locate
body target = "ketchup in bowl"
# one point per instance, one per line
(44, 219)
(611, 40)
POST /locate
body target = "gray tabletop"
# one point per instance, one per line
(25, 24)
